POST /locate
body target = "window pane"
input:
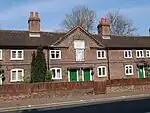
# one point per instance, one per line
(52, 55)
(79, 54)
(138, 54)
(129, 53)
(57, 54)
(103, 71)
(53, 52)
(53, 73)
(58, 73)
(100, 71)
(126, 54)
(19, 54)
(20, 75)
(102, 53)
(99, 54)
(130, 70)
(14, 74)
(13, 54)
(141, 54)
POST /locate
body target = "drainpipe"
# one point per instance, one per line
(48, 58)
(108, 63)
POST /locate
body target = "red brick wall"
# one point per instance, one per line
(40, 90)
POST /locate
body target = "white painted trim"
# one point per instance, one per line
(56, 72)
(128, 53)
(17, 69)
(140, 55)
(77, 75)
(1, 55)
(98, 71)
(144, 71)
(128, 67)
(83, 75)
(101, 54)
(55, 54)
(68, 75)
(17, 55)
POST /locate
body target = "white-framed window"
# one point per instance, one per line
(17, 54)
(128, 54)
(147, 53)
(17, 75)
(79, 54)
(101, 71)
(101, 54)
(139, 54)
(79, 46)
(129, 70)
(55, 54)
(1, 54)
(56, 73)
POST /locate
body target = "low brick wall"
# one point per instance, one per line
(71, 89)
(50, 90)
(128, 85)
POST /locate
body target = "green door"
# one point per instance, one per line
(73, 75)
(86, 74)
(141, 72)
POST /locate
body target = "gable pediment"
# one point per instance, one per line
(78, 33)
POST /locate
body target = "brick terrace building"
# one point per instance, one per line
(75, 55)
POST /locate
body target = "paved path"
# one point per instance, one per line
(68, 101)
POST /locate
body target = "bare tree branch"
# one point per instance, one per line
(119, 24)
(80, 15)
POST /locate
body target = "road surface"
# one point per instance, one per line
(124, 105)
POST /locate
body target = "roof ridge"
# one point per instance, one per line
(122, 35)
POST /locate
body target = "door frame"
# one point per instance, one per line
(69, 75)
(143, 72)
(83, 75)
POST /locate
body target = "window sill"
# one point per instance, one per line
(101, 58)
(139, 57)
(56, 78)
(55, 58)
(16, 80)
(17, 59)
(128, 57)
(129, 74)
(102, 76)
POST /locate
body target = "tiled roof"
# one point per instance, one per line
(125, 41)
(21, 38)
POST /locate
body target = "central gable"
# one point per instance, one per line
(78, 33)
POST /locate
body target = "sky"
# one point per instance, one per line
(14, 14)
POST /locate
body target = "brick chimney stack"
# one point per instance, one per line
(34, 25)
(104, 28)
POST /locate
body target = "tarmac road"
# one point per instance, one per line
(138, 105)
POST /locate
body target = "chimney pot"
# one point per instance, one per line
(104, 28)
(103, 19)
(36, 15)
(31, 14)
